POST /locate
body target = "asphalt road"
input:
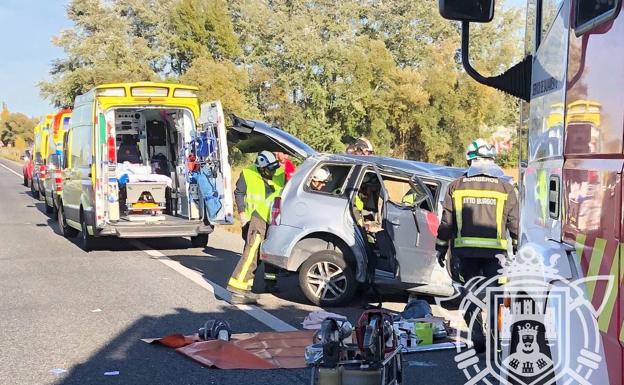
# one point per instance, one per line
(85, 313)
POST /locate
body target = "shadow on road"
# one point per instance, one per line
(141, 363)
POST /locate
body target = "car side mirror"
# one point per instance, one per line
(477, 11)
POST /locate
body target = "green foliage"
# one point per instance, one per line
(221, 81)
(17, 128)
(201, 28)
(100, 49)
(322, 70)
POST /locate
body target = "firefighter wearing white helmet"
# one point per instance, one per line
(480, 213)
(320, 178)
(256, 189)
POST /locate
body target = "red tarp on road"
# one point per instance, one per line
(270, 350)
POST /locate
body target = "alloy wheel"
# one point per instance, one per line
(327, 280)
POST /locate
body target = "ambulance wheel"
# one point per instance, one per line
(326, 279)
(65, 229)
(34, 192)
(86, 240)
(54, 208)
(200, 240)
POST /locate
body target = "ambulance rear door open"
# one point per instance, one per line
(212, 164)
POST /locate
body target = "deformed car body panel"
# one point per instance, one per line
(304, 217)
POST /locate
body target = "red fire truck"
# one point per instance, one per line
(570, 84)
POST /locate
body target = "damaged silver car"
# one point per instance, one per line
(374, 219)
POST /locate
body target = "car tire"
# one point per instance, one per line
(48, 209)
(54, 209)
(86, 240)
(200, 240)
(326, 279)
(66, 230)
(34, 192)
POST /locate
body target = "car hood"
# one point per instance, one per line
(252, 136)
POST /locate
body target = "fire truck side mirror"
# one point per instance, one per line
(477, 11)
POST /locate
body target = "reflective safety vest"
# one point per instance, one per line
(359, 203)
(256, 198)
(484, 204)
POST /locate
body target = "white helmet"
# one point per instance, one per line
(479, 148)
(266, 159)
(321, 175)
(364, 144)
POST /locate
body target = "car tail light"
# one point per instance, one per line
(42, 170)
(276, 211)
(58, 181)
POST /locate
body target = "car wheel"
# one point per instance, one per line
(34, 192)
(326, 279)
(66, 230)
(54, 208)
(200, 240)
(48, 209)
(86, 240)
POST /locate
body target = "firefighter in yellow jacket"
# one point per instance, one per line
(256, 189)
(479, 209)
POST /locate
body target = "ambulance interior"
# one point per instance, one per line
(148, 143)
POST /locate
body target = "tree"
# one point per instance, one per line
(201, 28)
(221, 81)
(100, 48)
(322, 70)
(383, 69)
(16, 126)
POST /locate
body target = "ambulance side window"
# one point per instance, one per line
(65, 149)
(82, 136)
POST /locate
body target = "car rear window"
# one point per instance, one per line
(336, 184)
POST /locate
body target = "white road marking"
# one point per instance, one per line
(13, 171)
(219, 292)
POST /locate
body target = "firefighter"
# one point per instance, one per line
(256, 189)
(479, 209)
(363, 146)
(320, 178)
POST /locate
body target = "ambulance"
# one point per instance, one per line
(144, 160)
(53, 181)
(40, 155)
(572, 151)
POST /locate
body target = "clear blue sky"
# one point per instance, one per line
(26, 29)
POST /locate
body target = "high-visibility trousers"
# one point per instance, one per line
(243, 276)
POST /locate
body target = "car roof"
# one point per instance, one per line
(412, 166)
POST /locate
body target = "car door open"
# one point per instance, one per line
(411, 225)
